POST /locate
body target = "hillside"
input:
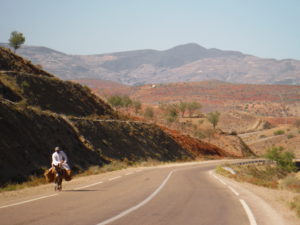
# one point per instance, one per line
(39, 111)
(261, 100)
(183, 63)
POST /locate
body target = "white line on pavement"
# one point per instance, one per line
(124, 213)
(114, 178)
(220, 180)
(31, 200)
(233, 190)
(90, 185)
(248, 212)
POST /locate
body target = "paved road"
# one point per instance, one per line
(187, 194)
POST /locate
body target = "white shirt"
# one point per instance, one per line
(57, 157)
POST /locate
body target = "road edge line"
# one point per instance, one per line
(27, 201)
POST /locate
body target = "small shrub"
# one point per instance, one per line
(278, 132)
(234, 133)
(199, 134)
(149, 113)
(200, 122)
(290, 136)
(25, 84)
(283, 159)
(262, 136)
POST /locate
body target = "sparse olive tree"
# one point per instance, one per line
(149, 113)
(213, 118)
(120, 101)
(126, 102)
(182, 106)
(137, 105)
(16, 40)
(192, 107)
(115, 101)
(172, 113)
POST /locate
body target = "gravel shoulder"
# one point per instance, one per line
(278, 200)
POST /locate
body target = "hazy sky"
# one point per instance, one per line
(265, 28)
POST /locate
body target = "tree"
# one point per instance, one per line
(213, 118)
(115, 101)
(126, 102)
(120, 101)
(171, 113)
(149, 112)
(182, 106)
(16, 40)
(192, 107)
(283, 159)
(137, 106)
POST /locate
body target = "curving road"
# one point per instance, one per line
(188, 194)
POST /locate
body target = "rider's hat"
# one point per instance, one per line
(57, 148)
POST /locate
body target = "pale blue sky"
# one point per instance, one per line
(265, 28)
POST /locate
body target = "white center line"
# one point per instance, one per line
(31, 200)
(90, 185)
(124, 213)
(233, 190)
(248, 212)
(219, 180)
(114, 178)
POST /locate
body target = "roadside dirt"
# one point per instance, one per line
(278, 199)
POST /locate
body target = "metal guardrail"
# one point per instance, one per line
(260, 161)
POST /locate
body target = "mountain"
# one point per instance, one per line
(39, 111)
(184, 63)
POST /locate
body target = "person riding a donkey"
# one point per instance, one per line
(60, 159)
(59, 170)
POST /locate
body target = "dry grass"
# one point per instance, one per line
(291, 183)
(261, 175)
(33, 181)
(295, 205)
(267, 176)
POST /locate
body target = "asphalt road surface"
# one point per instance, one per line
(178, 195)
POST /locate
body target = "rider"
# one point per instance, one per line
(59, 159)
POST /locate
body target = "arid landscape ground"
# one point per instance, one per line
(42, 111)
(254, 112)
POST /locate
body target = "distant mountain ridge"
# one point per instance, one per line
(183, 63)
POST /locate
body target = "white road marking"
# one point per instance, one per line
(30, 200)
(114, 178)
(145, 201)
(220, 180)
(233, 190)
(248, 212)
(90, 185)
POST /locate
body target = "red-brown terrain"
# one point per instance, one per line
(262, 100)
(38, 111)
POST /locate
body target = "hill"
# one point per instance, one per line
(261, 100)
(183, 63)
(39, 111)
